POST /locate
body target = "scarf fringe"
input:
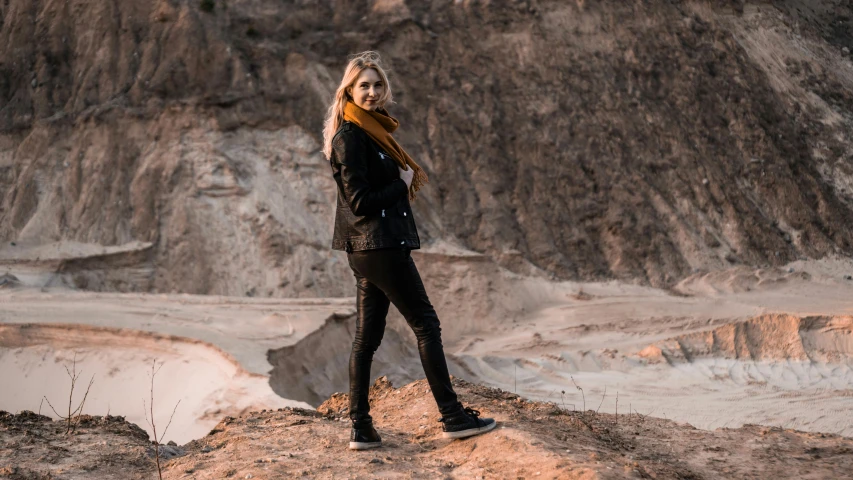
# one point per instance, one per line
(418, 181)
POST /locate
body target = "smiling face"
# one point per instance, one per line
(367, 89)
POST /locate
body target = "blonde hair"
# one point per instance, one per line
(335, 115)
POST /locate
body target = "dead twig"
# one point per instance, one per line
(582, 395)
(414, 440)
(157, 440)
(641, 416)
(602, 399)
(73, 417)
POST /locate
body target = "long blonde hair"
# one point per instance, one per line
(335, 115)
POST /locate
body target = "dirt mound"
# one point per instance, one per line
(533, 439)
(777, 337)
(318, 365)
(35, 447)
(641, 141)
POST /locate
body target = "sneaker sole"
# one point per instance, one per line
(470, 432)
(364, 445)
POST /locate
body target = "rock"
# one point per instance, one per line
(790, 269)
(845, 51)
(168, 452)
(7, 280)
(224, 162)
(848, 277)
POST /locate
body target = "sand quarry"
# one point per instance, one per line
(702, 152)
(771, 347)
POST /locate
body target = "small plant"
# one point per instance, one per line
(563, 401)
(617, 407)
(207, 5)
(602, 399)
(581, 295)
(73, 417)
(150, 407)
(582, 395)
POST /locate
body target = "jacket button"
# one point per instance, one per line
(402, 243)
(404, 214)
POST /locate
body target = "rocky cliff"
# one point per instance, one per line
(176, 143)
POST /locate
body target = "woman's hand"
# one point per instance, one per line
(407, 175)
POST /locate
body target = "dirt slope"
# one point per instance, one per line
(607, 139)
(534, 440)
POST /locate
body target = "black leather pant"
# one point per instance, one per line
(387, 276)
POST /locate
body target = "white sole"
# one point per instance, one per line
(364, 445)
(470, 432)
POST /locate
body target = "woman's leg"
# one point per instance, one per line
(372, 308)
(394, 272)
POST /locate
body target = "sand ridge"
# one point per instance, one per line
(533, 440)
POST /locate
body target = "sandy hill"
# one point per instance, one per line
(173, 145)
(534, 440)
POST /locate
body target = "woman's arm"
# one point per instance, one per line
(349, 152)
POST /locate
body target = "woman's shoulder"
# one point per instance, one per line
(348, 130)
(348, 138)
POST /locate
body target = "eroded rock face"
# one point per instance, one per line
(593, 140)
(768, 338)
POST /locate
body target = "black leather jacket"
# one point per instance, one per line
(373, 208)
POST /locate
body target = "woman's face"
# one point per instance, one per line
(367, 89)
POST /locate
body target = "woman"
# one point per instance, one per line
(373, 223)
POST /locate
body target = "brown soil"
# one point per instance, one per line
(34, 447)
(533, 440)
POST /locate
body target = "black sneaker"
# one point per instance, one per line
(466, 424)
(364, 438)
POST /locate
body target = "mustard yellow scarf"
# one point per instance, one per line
(379, 126)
